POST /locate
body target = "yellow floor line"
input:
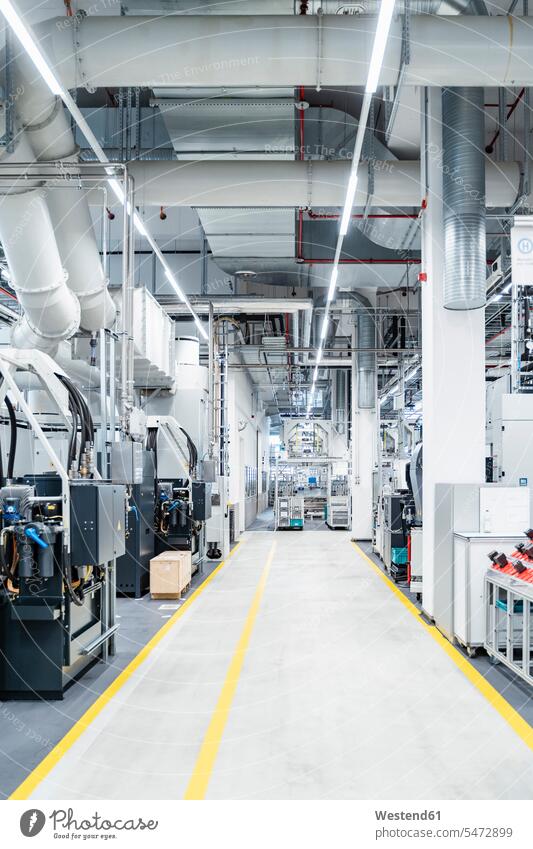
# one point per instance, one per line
(40, 772)
(201, 776)
(508, 713)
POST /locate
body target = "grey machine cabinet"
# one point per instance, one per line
(457, 510)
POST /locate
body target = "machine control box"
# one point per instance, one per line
(201, 501)
(98, 519)
(127, 462)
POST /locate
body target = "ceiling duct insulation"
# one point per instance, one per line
(284, 7)
(239, 125)
(290, 272)
(206, 50)
(249, 232)
(295, 184)
(235, 124)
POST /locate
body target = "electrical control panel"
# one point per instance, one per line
(98, 518)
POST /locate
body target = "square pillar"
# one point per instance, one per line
(453, 358)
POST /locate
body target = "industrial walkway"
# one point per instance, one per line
(295, 672)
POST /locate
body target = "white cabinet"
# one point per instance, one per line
(470, 564)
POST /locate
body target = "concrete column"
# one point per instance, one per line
(453, 358)
(363, 454)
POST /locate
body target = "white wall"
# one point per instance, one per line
(247, 447)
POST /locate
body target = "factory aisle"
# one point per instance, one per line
(295, 674)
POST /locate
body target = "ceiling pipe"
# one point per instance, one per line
(204, 50)
(51, 311)
(49, 130)
(291, 183)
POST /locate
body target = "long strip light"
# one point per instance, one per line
(33, 50)
(386, 12)
(381, 36)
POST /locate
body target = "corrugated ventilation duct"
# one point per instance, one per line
(463, 194)
(366, 361)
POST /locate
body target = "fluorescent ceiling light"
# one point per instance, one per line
(318, 357)
(348, 203)
(173, 282)
(200, 326)
(380, 42)
(29, 44)
(333, 282)
(325, 324)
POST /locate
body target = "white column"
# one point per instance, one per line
(363, 446)
(453, 358)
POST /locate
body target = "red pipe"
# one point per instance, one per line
(409, 261)
(499, 333)
(9, 294)
(320, 215)
(368, 261)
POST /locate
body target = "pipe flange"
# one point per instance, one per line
(51, 288)
(88, 292)
(56, 108)
(72, 328)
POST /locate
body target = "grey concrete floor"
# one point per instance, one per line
(342, 695)
(29, 730)
(511, 687)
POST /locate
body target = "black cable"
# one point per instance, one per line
(83, 427)
(78, 404)
(1, 467)
(193, 452)
(13, 439)
(87, 414)
(151, 445)
(78, 600)
(73, 434)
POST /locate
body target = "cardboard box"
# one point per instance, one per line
(170, 574)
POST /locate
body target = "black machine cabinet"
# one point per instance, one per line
(178, 516)
(201, 500)
(54, 609)
(133, 568)
(46, 639)
(395, 537)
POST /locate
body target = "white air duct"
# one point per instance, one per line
(73, 228)
(50, 134)
(51, 311)
(276, 183)
(332, 50)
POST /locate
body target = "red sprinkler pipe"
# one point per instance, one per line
(366, 261)
(321, 216)
(9, 294)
